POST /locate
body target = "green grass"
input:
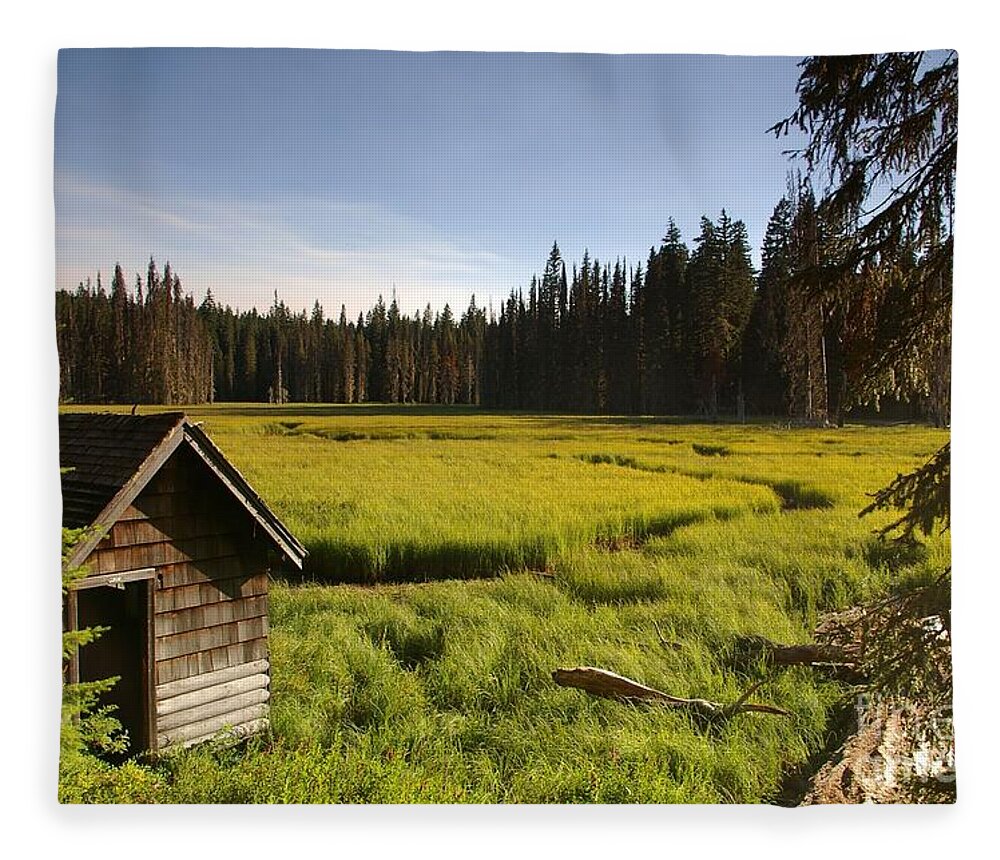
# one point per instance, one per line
(380, 494)
(435, 685)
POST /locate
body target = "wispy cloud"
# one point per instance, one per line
(305, 248)
(75, 193)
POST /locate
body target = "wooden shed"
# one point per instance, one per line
(177, 569)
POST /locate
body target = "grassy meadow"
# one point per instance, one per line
(457, 557)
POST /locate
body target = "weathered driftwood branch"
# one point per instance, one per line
(600, 682)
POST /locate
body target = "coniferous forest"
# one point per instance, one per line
(693, 329)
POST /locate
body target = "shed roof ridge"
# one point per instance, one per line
(133, 485)
(178, 429)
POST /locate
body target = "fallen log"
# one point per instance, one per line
(601, 682)
(805, 655)
(778, 654)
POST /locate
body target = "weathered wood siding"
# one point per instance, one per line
(210, 601)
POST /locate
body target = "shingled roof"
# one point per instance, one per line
(110, 458)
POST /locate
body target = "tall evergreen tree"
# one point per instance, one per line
(883, 129)
(764, 377)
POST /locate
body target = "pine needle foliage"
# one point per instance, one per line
(87, 727)
(924, 496)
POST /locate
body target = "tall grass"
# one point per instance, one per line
(394, 495)
(441, 693)
(581, 541)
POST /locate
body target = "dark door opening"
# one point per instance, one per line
(122, 650)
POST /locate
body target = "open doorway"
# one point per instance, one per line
(122, 650)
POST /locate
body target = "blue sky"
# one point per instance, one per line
(334, 175)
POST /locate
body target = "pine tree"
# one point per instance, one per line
(86, 726)
(616, 336)
(549, 301)
(638, 359)
(874, 122)
(120, 369)
(764, 376)
(883, 128)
